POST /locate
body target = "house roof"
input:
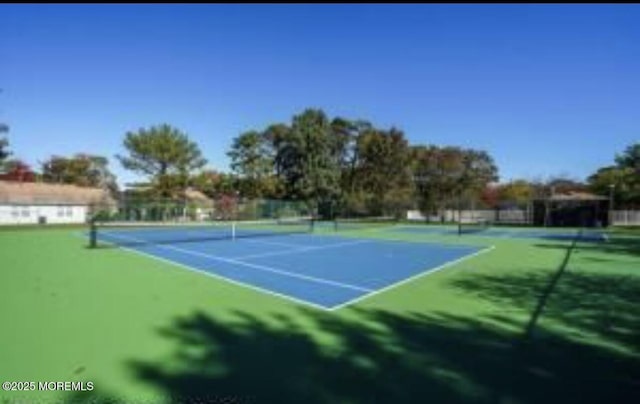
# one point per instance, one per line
(36, 193)
(192, 195)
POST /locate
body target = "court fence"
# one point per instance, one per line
(625, 217)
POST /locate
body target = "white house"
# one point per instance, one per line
(203, 204)
(33, 203)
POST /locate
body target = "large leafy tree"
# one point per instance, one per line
(347, 134)
(616, 179)
(630, 158)
(437, 173)
(305, 159)
(165, 155)
(252, 160)
(383, 170)
(447, 176)
(479, 170)
(80, 169)
(623, 178)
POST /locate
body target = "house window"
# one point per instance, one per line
(25, 212)
(60, 211)
(15, 212)
(69, 211)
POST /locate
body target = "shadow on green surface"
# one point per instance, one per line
(616, 244)
(593, 304)
(412, 358)
(543, 300)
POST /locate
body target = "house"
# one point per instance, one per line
(40, 203)
(140, 204)
(203, 205)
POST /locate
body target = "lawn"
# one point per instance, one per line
(530, 321)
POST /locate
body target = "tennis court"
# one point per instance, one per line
(324, 271)
(164, 306)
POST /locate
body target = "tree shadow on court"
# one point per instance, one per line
(616, 244)
(591, 304)
(379, 356)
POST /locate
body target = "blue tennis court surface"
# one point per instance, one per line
(328, 272)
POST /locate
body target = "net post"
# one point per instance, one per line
(93, 234)
(233, 230)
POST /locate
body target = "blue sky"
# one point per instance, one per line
(545, 89)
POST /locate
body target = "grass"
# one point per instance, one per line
(531, 321)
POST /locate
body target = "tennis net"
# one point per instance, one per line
(142, 233)
(473, 226)
(343, 224)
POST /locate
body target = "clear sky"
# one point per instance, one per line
(546, 89)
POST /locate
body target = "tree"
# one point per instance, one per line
(629, 163)
(438, 172)
(491, 196)
(383, 170)
(352, 198)
(630, 158)
(18, 171)
(478, 171)
(626, 190)
(165, 155)
(518, 192)
(98, 172)
(252, 159)
(4, 144)
(214, 184)
(446, 176)
(4, 152)
(624, 177)
(435, 171)
(304, 158)
(81, 169)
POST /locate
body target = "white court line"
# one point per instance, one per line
(253, 266)
(411, 278)
(220, 277)
(304, 249)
